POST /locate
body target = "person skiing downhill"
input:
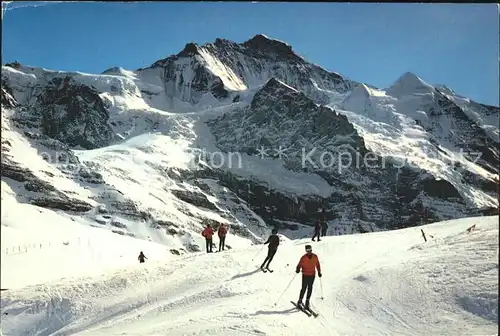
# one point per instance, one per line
(208, 232)
(273, 242)
(141, 257)
(308, 263)
(222, 232)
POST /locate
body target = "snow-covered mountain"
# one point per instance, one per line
(225, 69)
(249, 134)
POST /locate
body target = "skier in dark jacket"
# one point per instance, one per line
(273, 242)
(141, 257)
(322, 220)
(324, 229)
(317, 230)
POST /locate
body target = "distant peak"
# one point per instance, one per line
(409, 84)
(189, 50)
(115, 69)
(261, 42)
(223, 42)
(15, 65)
(408, 76)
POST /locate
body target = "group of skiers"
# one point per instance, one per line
(308, 263)
(208, 233)
(320, 227)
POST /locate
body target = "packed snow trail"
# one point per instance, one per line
(388, 283)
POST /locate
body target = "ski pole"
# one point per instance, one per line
(287, 264)
(321, 287)
(285, 289)
(256, 254)
(298, 240)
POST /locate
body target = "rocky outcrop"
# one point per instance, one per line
(65, 204)
(40, 192)
(271, 205)
(64, 110)
(194, 198)
(280, 116)
(6, 97)
(74, 114)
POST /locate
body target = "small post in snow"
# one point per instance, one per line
(470, 229)
(423, 235)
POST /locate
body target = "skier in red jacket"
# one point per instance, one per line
(309, 262)
(222, 232)
(208, 232)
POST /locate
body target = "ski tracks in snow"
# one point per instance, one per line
(379, 284)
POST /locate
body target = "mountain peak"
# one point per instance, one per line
(190, 49)
(409, 84)
(220, 42)
(263, 43)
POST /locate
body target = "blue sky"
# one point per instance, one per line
(454, 44)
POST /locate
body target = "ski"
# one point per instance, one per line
(312, 312)
(301, 308)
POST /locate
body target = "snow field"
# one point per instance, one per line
(384, 283)
(54, 246)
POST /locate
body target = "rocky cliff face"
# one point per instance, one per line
(74, 114)
(60, 108)
(449, 122)
(280, 116)
(283, 123)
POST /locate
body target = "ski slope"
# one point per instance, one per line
(385, 283)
